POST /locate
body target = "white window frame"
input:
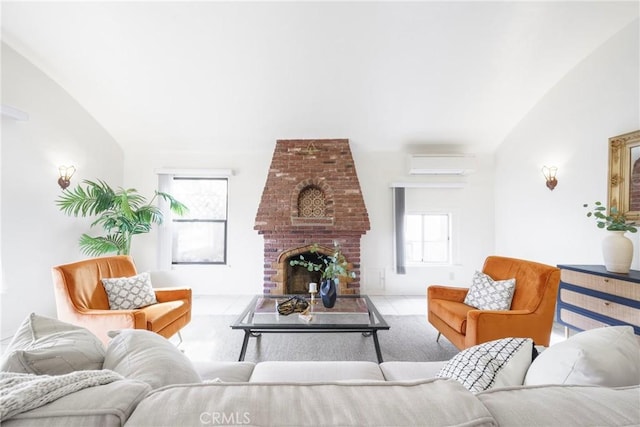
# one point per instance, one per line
(165, 241)
(450, 239)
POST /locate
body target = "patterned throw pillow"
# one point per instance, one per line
(488, 294)
(499, 363)
(128, 293)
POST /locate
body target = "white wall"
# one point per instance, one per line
(35, 235)
(243, 274)
(568, 128)
(376, 171)
(472, 204)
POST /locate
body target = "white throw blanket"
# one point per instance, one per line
(23, 392)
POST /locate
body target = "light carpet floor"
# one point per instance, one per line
(410, 338)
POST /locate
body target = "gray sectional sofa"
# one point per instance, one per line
(154, 384)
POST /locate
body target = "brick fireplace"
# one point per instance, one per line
(312, 196)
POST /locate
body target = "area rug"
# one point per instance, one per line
(410, 338)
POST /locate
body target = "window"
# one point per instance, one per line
(428, 238)
(200, 237)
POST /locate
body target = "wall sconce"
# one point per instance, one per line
(66, 172)
(550, 175)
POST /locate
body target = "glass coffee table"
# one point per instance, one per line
(351, 313)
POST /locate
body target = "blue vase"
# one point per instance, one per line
(328, 292)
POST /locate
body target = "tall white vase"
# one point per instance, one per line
(617, 250)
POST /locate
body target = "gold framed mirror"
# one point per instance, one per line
(624, 174)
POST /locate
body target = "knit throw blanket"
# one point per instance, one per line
(23, 392)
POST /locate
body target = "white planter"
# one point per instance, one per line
(617, 250)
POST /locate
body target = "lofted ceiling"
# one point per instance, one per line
(239, 75)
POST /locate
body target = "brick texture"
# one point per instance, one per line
(296, 166)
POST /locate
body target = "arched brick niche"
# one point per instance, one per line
(312, 203)
(303, 174)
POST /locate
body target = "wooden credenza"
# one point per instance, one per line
(591, 297)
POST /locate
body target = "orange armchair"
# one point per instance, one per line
(82, 300)
(531, 314)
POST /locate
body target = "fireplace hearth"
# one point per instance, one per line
(312, 196)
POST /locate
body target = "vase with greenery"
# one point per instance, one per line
(331, 268)
(122, 213)
(617, 249)
(613, 221)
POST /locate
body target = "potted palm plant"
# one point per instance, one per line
(122, 213)
(617, 249)
(331, 268)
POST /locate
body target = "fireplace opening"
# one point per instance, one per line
(297, 277)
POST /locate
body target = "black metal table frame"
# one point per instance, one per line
(376, 323)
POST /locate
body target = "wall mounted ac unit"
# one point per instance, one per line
(441, 164)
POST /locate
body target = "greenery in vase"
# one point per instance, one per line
(614, 221)
(122, 213)
(331, 266)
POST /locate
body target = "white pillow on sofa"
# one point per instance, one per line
(607, 357)
(498, 363)
(46, 346)
(146, 356)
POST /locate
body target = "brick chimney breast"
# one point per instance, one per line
(312, 195)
